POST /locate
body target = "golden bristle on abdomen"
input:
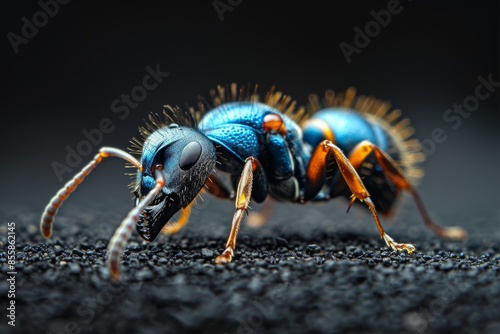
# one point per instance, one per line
(378, 112)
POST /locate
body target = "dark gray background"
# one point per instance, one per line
(65, 79)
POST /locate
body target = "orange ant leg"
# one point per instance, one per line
(396, 175)
(316, 177)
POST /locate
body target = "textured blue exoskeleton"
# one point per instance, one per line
(344, 145)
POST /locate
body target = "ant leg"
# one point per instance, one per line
(214, 186)
(122, 234)
(395, 174)
(175, 227)
(218, 188)
(55, 203)
(243, 195)
(315, 179)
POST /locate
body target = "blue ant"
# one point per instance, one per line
(264, 151)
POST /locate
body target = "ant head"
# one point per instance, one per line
(186, 159)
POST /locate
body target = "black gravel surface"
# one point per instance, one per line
(291, 276)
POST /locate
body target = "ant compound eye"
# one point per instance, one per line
(190, 155)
